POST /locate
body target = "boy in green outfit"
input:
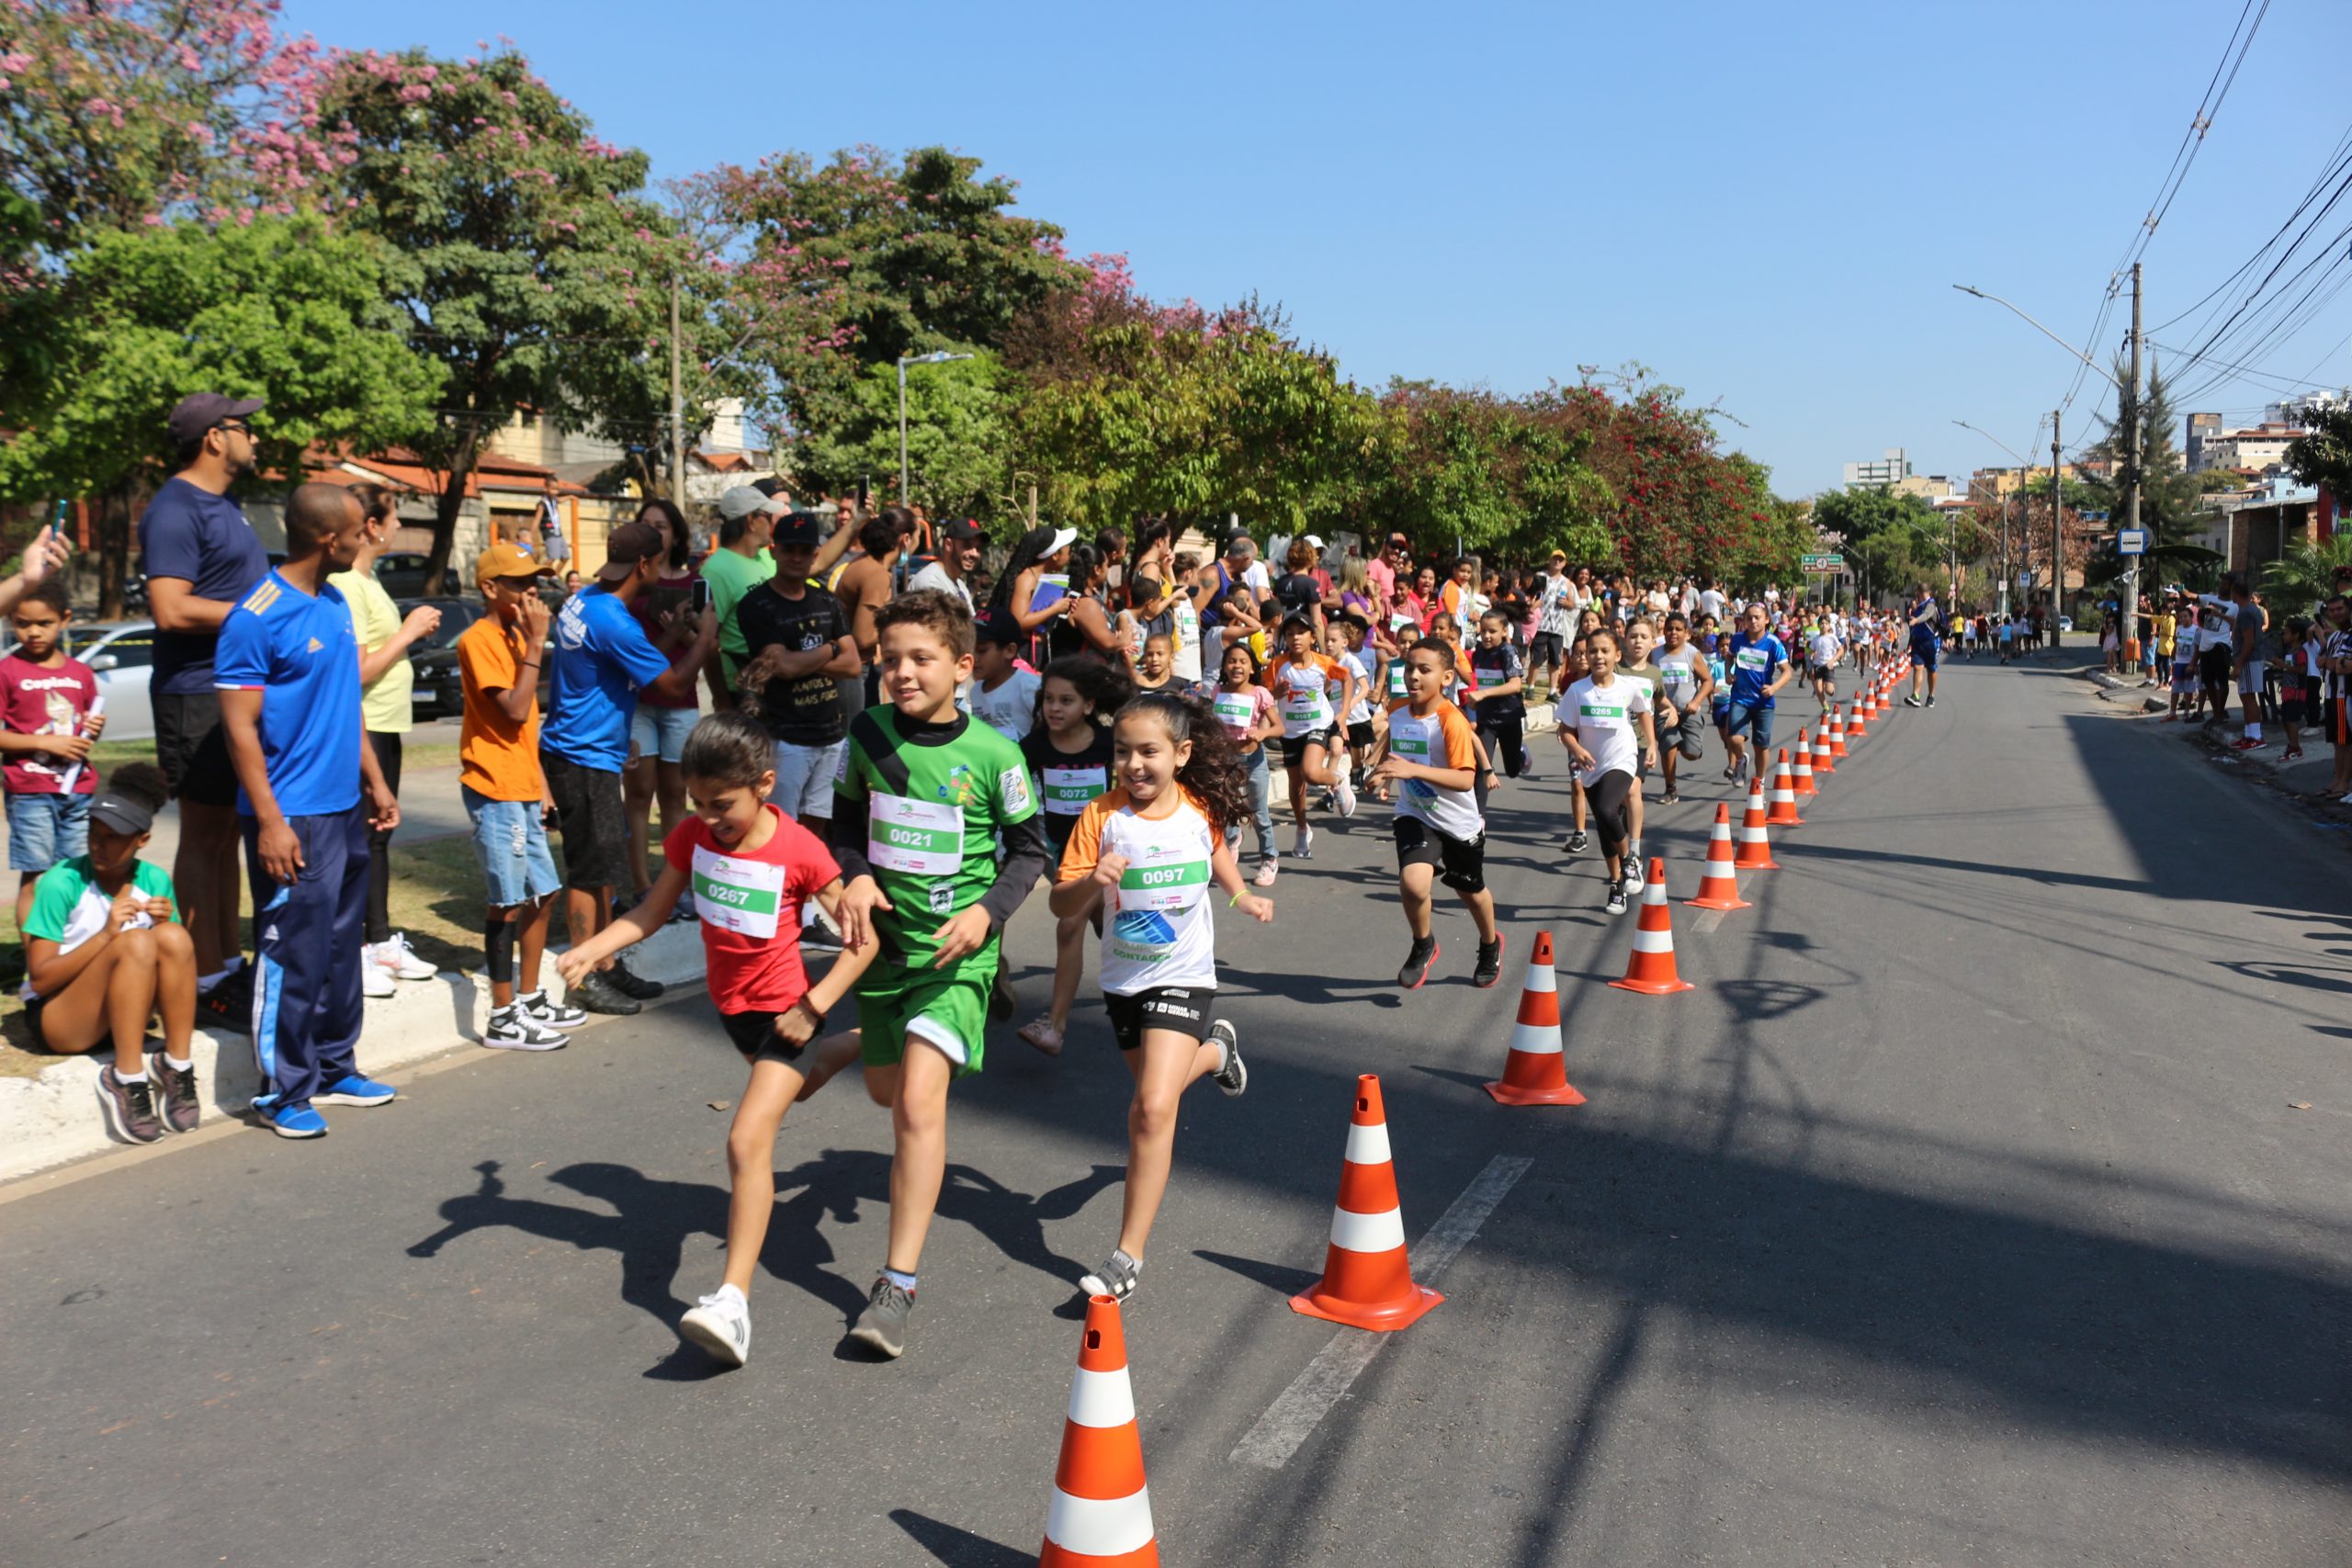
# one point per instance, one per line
(938, 840)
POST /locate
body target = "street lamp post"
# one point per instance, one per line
(936, 357)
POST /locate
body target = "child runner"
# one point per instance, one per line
(51, 717)
(1353, 728)
(1069, 759)
(1688, 678)
(1498, 679)
(1146, 854)
(1640, 636)
(1822, 650)
(747, 868)
(1605, 725)
(1371, 669)
(925, 795)
(1156, 665)
(1431, 757)
(104, 950)
(1300, 681)
(1246, 709)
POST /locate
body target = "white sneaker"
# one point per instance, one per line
(375, 980)
(395, 954)
(514, 1029)
(1305, 848)
(549, 1014)
(1347, 797)
(1633, 874)
(721, 1324)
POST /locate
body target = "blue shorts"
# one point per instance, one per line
(512, 844)
(46, 828)
(1923, 652)
(661, 732)
(1753, 718)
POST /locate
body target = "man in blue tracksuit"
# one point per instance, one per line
(288, 670)
(1924, 643)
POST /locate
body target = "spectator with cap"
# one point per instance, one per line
(959, 556)
(308, 793)
(202, 557)
(601, 659)
(800, 644)
(741, 563)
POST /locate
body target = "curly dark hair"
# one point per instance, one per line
(1105, 687)
(1215, 772)
(143, 783)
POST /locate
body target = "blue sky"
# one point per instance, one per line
(1765, 204)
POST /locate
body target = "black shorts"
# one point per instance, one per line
(1183, 1009)
(589, 818)
(193, 749)
(1294, 746)
(1544, 651)
(754, 1034)
(2294, 707)
(1361, 737)
(1460, 866)
(1824, 673)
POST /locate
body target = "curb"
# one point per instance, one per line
(54, 1117)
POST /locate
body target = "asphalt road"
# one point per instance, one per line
(1959, 1217)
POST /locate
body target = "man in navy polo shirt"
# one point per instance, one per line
(603, 659)
(1924, 643)
(287, 671)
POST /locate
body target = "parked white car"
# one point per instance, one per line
(121, 654)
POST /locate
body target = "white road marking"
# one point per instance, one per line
(1292, 1417)
(1706, 920)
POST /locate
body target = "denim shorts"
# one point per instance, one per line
(512, 844)
(804, 780)
(1752, 718)
(661, 732)
(46, 828)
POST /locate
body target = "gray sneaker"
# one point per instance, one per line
(181, 1111)
(129, 1107)
(1117, 1277)
(1234, 1077)
(882, 1327)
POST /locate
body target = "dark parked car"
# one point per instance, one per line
(402, 575)
(440, 688)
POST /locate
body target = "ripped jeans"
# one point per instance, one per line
(512, 844)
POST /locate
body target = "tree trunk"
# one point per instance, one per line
(447, 508)
(110, 539)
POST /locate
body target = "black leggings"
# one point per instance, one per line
(1506, 738)
(1609, 799)
(387, 747)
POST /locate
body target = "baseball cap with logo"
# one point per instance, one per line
(799, 528)
(504, 559)
(961, 529)
(200, 411)
(629, 544)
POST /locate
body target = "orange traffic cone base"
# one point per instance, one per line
(1380, 1318)
(1707, 902)
(1565, 1094)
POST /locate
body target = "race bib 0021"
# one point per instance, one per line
(924, 837)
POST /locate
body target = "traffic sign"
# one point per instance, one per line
(2025, 580)
(2130, 541)
(1824, 566)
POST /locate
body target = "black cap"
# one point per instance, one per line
(120, 812)
(628, 545)
(768, 487)
(963, 530)
(997, 625)
(200, 411)
(797, 529)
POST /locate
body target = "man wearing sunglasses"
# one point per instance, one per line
(202, 557)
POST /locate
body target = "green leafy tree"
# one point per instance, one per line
(288, 311)
(2168, 492)
(957, 436)
(2305, 576)
(2322, 455)
(1476, 471)
(537, 273)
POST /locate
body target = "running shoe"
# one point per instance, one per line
(129, 1107)
(1671, 797)
(1577, 843)
(1003, 1003)
(228, 1003)
(721, 1324)
(1632, 880)
(1490, 967)
(1912, 703)
(2247, 743)
(1417, 963)
(294, 1121)
(1305, 848)
(1931, 702)
(181, 1109)
(1616, 905)
(512, 1028)
(820, 934)
(2293, 753)
(375, 980)
(1115, 1277)
(1267, 872)
(597, 993)
(549, 1013)
(355, 1088)
(882, 1327)
(395, 954)
(1234, 1077)
(1346, 793)
(631, 985)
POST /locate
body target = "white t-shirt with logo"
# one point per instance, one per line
(1158, 926)
(1606, 719)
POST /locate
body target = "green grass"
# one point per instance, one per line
(107, 755)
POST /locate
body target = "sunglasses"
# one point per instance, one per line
(240, 426)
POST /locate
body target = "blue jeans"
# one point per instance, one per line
(511, 842)
(1261, 774)
(44, 829)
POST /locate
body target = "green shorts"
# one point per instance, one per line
(948, 1008)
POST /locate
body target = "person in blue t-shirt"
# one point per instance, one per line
(1757, 663)
(1924, 646)
(287, 667)
(601, 661)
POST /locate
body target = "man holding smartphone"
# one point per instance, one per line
(799, 646)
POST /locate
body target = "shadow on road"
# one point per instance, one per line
(958, 1547)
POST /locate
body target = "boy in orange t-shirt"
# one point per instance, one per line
(498, 773)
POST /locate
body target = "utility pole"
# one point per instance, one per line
(2057, 532)
(677, 409)
(2131, 437)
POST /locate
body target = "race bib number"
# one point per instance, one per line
(1591, 708)
(1397, 677)
(740, 896)
(921, 836)
(1233, 709)
(1752, 658)
(1491, 677)
(1308, 709)
(1161, 879)
(1069, 790)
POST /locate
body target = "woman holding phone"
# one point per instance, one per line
(669, 611)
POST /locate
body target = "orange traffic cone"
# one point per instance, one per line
(1836, 736)
(1755, 842)
(1823, 763)
(1367, 1282)
(1101, 1511)
(1719, 888)
(1651, 969)
(1784, 797)
(1801, 780)
(1857, 726)
(1534, 1073)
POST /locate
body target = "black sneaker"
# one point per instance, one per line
(1003, 1003)
(631, 985)
(181, 1110)
(882, 1327)
(597, 993)
(1116, 1277)
(1931, 702)
(129, 1107)
(1490, 967)
(1577, 843)
(1913, 702)
(229, 1004)
(1234, 1077)
(1417, 963)
(1616, 905)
